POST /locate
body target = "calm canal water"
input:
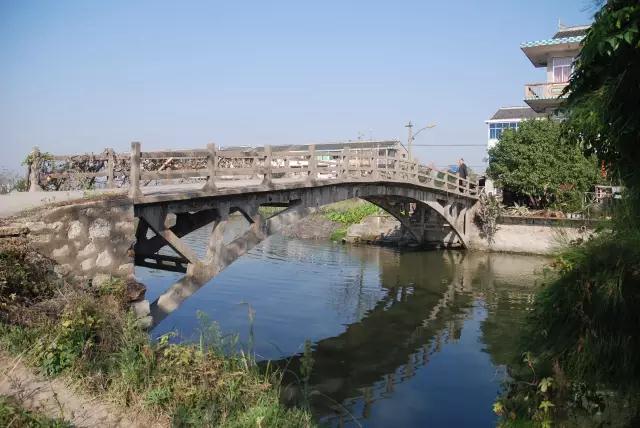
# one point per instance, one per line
(402, 339)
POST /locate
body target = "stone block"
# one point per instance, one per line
(57, 226)
(89, 251)
(126, 269)
(41, 239)
(38, 227)
(125, 227)
(88, 264)
(104, 259)
(122, 210)
(61, 252)
(100, 229)
(76, 230)
(93, 213)
(141, 308)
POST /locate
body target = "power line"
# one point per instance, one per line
(450, 145)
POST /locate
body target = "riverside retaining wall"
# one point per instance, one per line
(530, 235)
(90, 239)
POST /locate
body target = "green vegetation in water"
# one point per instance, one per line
(88, 335)
(583, 343)
(348, 213)
(13, 415)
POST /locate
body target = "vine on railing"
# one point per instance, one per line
(489, 210)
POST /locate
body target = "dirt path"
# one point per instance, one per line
(57, 400)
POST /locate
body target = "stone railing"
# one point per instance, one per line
(264, 165)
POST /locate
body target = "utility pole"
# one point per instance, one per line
(412, 137)
(409, 139)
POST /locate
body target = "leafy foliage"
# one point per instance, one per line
(347, 213)
(537, 162)
(602, 106)
(584, 328)
(487, 216)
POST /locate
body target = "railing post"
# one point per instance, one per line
(342, 172)
(35, 158)
(313, 165)
(375, 173)
(268, 173)
(134, 171)
(212, 160)
(111, 163)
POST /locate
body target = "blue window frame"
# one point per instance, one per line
(495, 129)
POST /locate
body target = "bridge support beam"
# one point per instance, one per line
(220, 255)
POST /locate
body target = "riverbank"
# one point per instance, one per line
(360, 222)
(84, 335)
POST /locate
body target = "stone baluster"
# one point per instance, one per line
(111, 164)
(212, 161)
(313, 164)
(35, 158)
(134, 172)
(268, 171)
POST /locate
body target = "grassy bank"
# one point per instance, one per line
(580, 364)
(348, 213)
(86, 334)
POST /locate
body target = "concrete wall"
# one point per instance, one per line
(532, 236)
(89, 239)
(514, 235)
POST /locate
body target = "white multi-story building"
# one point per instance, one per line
(557, 55)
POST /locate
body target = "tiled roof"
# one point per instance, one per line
(550, 42)
(523, 112)
(571, 31)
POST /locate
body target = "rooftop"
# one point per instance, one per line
(565, 41)
(565, 34)
(565, 31)
(519, 112)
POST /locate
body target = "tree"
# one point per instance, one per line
(603, 106)
(537, 162)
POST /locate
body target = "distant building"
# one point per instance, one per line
(328, 151)
(557, 55)
(507, 118)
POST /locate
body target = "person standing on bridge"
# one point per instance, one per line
(462, 172)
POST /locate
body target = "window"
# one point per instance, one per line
(562, 68)
(495, 129)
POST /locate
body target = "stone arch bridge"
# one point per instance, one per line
(177, 192)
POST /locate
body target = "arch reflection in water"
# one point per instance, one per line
(400, 338)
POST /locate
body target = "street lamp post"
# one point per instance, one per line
(413, 136)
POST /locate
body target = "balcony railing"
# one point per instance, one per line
(543, 91)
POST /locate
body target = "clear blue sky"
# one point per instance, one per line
(84, 75)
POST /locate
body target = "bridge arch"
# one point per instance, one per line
(416, 208)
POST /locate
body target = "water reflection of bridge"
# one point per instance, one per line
(424, 308)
